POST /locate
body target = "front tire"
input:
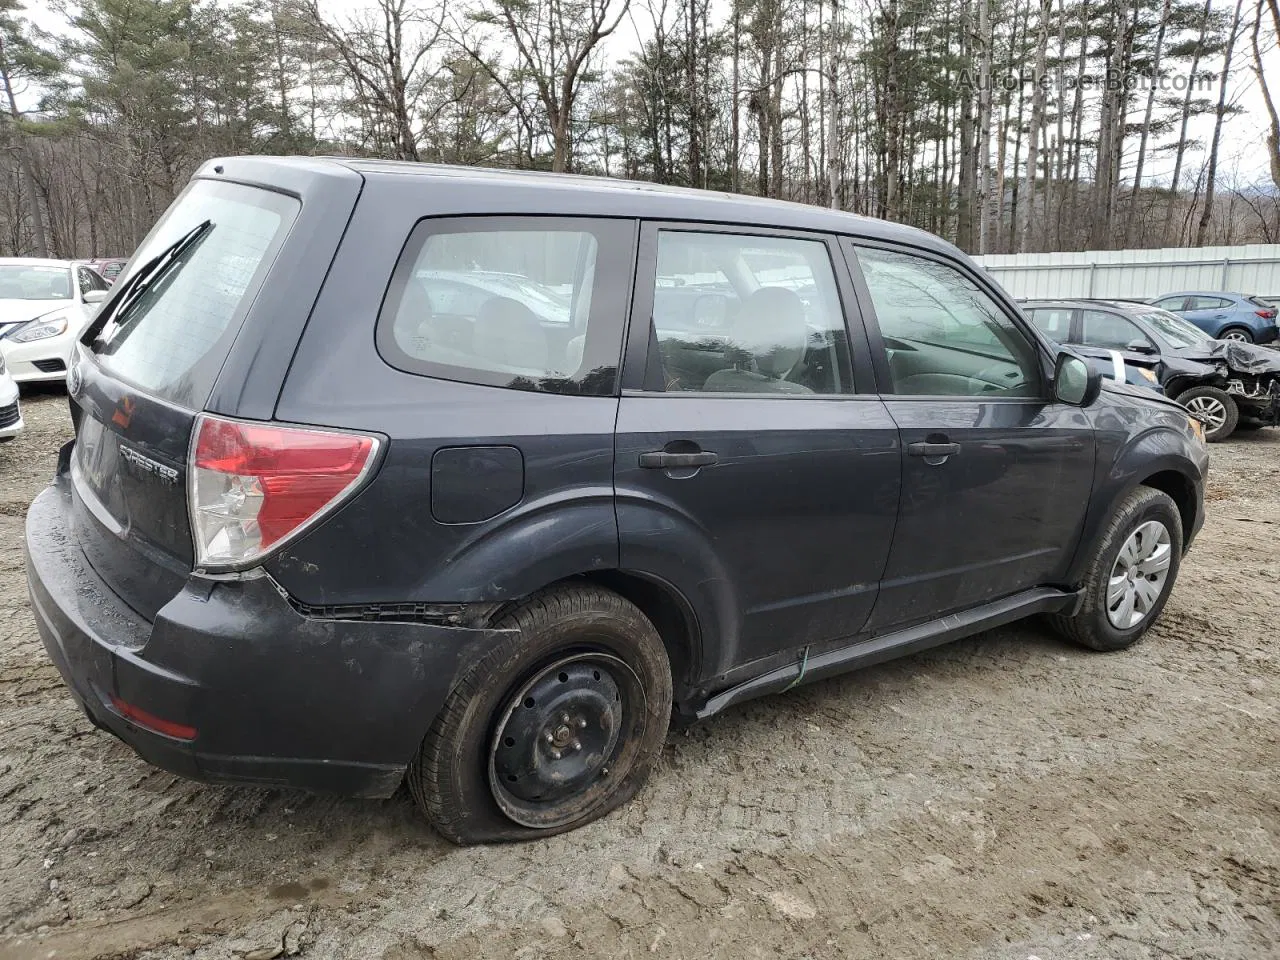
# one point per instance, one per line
(1215, 408)
(554, 728)
(1131, 575)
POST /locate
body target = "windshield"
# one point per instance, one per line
(24, 281)
(1179, 332)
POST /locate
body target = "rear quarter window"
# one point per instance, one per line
(527, 303)
(172, 341)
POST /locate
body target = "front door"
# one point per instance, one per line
(995, 476)
(750, 471)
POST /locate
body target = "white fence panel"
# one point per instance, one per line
(1139, 274)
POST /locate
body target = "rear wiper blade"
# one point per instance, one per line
(143, 278)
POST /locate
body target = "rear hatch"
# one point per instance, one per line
(147, 368)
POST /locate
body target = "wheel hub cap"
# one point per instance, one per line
(1138, 577)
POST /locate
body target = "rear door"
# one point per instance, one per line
(995, 474)
(755, 468)
(1208, 313)
(138, 382)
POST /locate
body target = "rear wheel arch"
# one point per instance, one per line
(1236, 328)
(460, 774)
(670, 612)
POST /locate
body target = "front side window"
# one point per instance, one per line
(1110, 330)
(1053, 323)
(1172, 303)
(943, 335)
(743, 314)
(509, 303)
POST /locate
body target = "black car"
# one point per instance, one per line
(312, 532)
(1225, 383)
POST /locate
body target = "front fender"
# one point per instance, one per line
(1130, 453)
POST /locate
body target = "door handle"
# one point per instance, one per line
(661, 460)
(925, 449)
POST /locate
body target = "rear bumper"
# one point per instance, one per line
(275, 697)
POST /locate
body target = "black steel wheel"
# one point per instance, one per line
(554, 727)
(561, 736)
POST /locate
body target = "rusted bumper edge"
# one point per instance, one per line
(267, 695)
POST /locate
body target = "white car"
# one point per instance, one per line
(10, 411)
(44, 307)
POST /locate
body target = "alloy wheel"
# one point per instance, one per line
(1138, 577)
(1238, 335)
(1209, 410)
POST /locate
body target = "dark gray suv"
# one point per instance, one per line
(477, 480)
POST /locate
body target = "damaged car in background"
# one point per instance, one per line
(1227, 384)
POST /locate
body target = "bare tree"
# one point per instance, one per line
(1037, 121)
(554, 41)
(1219, 116)
(1273, 117)
(384, 54)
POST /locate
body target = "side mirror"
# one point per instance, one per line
(1075, 381)
(1139, 346)
(94, 296)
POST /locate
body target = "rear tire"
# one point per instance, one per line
(1239, 334)
(554, 728)
(1216, 408)
(1142, 543)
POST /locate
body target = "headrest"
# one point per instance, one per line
(771, 329)
(508, 334)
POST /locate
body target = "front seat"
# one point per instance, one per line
(768, 341)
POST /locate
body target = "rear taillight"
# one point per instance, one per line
(179, 731)
(1266, 314)
(253, 486)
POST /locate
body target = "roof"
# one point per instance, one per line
(1135, 306)
(36, 262)
(1203, 293)
(530, 192)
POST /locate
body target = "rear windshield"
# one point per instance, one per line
(172, 341)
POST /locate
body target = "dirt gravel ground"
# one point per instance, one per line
(1007, 797)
